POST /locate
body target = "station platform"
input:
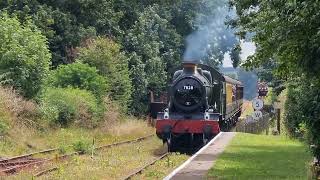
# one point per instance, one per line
(197, 166)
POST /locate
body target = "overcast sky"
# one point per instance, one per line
(248, 48)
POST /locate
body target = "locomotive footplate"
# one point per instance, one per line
(181, 125)
(187, 126)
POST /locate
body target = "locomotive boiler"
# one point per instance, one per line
(202, 102)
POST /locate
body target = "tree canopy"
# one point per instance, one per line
(146, 39)
(24, 56)
(285, 32)
(287, 37)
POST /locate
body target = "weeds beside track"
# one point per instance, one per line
(13, 165)
(138, 171)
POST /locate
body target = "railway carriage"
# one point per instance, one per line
(202, 102)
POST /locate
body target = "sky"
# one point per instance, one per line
(247, 49)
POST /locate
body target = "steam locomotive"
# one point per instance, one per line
(262, 89)
(202, 102)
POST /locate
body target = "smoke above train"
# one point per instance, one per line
(212, 37)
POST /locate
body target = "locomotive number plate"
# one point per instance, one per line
(188, 87)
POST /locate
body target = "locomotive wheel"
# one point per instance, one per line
(204, 140)
(170, 144)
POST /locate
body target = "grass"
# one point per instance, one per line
(24, 129)
(21, 140)
(163, 167)
(262, 157)
(113, 163)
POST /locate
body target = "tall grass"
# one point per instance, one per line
(23, 127)
(15, 110)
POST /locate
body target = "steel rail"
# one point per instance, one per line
(28, 155)
(97, 148)
(146, 166)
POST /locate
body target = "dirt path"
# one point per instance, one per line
(198, 165)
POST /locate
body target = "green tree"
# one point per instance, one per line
(105, 55)
(67, 23)
(24, 56)
(79, 75)
(235, 56)
(303, 107)
(140, 97)
(287, 34)
(284, 31)
(154, 45)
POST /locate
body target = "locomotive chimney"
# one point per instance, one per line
(189, 67)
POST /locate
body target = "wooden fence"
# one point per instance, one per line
(249, 125)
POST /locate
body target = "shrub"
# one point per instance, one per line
(24, 56)
(293, 111)
(64, 106)
(82, 146)
(303, 110)
(3, 127)
(78, 75)
(105, 55)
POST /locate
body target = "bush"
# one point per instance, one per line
(105, 55)
(78, 75)
(303, 111)
(293, 111)
(3, 127)
(64, 106)
(82, 145)
(24, 56)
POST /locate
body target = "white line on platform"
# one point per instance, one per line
(174, 172)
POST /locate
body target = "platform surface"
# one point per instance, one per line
(197, 166)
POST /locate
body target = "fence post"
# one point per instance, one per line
(278, 119)
(267, 121)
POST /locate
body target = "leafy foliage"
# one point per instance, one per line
(67, 23)
(145, 38)
(153, 44)
(3, 127)
(105, 55)
(284, 31)
(139, 82)
(303, 107)
(287, 37)
(82, 145)
(65, 106)
(235, 56)
(24, 56)
(79, 75)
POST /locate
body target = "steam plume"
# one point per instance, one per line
(212, 37)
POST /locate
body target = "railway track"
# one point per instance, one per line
(138, 171)
(46, 171)
(15, 164)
